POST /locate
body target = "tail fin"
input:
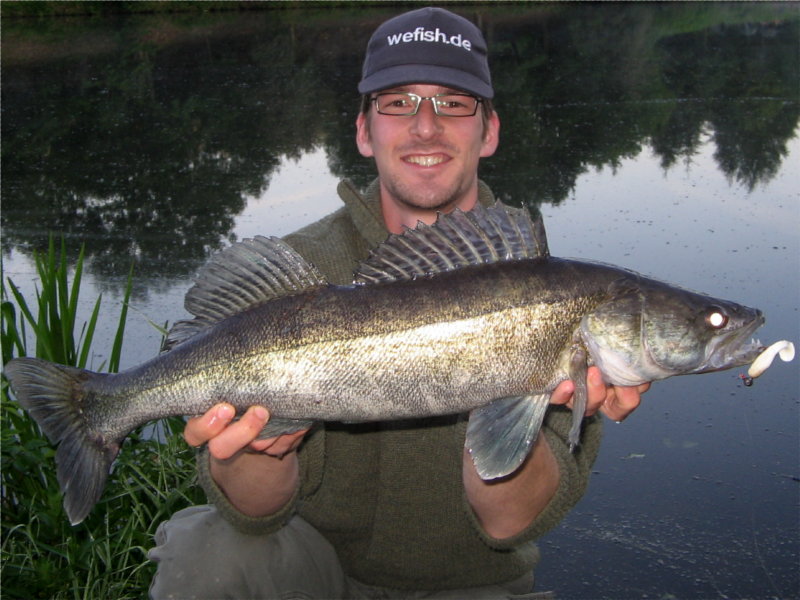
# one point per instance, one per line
(55, 397)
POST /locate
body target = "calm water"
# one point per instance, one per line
(658, 137)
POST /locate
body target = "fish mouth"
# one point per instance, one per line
(734, 348)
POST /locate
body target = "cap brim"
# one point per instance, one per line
(408, 74)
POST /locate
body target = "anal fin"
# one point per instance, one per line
(500, 435)
(276, 427)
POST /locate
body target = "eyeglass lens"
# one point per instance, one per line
(404, 104)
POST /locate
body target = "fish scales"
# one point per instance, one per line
(470, 314)
(411, 348)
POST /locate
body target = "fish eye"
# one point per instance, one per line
(716, 318)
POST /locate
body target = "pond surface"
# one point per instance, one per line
(662, 138)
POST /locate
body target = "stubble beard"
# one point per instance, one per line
(422, 198)
(434, 198)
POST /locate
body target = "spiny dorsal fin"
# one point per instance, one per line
(456, 240)
(247, 274)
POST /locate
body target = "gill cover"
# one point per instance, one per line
(678, 326)
(613, 334)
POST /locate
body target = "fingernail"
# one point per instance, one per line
(225, 411)
(261, 413)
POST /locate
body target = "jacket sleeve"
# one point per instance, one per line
(241, 521)
(574, 469)
(311, 457)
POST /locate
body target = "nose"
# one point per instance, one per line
(426, 124)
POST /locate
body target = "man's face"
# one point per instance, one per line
(427, 161)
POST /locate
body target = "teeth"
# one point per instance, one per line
(425, 161)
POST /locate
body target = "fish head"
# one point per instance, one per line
(649, 330)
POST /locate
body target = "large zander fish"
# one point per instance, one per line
(469, 314)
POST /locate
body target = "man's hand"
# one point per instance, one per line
(616, 402)
(507, 506)
(225, 439)
(258, 476)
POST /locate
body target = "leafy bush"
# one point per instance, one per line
(43, 556)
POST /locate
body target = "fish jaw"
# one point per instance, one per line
(734, 348)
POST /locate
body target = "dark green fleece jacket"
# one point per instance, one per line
(389, 496)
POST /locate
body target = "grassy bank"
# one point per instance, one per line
(43, 556)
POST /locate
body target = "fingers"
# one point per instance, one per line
(200, 430)
(563, 393)
(226, 437)
(623, 401)
(616, 402)
(281, 445)
(597, 390)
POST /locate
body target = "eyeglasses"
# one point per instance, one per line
(405, 104)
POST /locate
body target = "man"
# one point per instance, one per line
(383, 509)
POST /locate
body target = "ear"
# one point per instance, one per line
(491, 136)
(363, 140)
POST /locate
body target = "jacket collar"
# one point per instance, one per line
(365, 209)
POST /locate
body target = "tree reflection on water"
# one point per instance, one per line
(147, 135)
(147, 138)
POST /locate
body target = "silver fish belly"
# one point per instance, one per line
(470, 314)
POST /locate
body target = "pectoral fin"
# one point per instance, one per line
(501, 434)
(577, 373)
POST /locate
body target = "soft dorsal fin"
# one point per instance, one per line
(244, 275)
(456, 240)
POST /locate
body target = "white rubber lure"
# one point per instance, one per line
(762, 362)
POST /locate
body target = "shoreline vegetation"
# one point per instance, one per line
(105, 556)
(81, 91)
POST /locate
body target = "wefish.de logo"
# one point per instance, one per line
(420, 34)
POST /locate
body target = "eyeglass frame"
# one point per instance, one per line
(420, 99)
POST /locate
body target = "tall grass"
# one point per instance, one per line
(43, 556)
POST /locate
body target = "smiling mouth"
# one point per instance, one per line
(426, 160)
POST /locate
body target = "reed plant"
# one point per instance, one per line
(43, 556)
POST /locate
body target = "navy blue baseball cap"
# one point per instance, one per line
(427, 45)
